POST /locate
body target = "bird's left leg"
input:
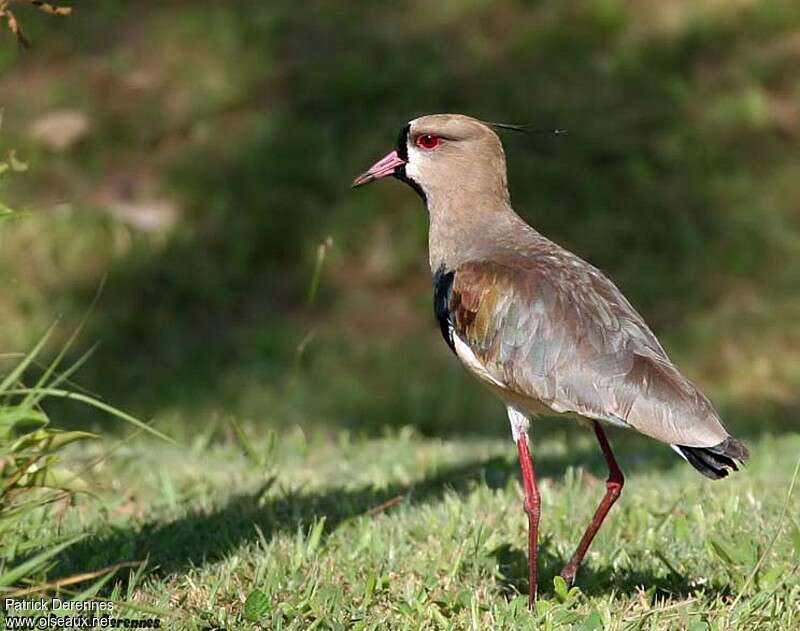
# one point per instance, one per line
(613, 490)
(519, 430)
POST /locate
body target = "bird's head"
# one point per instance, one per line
(444, 153)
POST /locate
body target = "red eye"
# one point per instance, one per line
(428, 141)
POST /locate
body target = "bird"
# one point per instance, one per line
(546, 331)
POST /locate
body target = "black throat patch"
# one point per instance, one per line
(442, 291)
(402, 142)
(402, 151)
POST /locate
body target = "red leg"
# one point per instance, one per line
(613, 489)
(532, 509)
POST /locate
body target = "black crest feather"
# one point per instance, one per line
(524, 128)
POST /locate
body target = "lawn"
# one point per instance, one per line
(339, 532)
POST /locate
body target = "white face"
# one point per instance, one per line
(430, 156)
(419, 163)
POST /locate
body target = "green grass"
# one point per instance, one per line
(406, 532)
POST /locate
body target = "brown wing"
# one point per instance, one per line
(554, 330)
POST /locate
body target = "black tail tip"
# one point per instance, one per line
(718, 461)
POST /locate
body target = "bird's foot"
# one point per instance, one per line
(533, 594)
(568, 574)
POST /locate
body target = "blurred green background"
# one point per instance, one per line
(198, 153)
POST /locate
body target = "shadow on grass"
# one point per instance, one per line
(205, 537)
(512, 563)
(202, 537)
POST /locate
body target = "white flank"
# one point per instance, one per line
(466, 355)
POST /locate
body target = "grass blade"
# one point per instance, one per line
(14, 376)
(92, 402)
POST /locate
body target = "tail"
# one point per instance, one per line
(715, 462)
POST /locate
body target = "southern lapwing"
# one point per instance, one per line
(547, 331)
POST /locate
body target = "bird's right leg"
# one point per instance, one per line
(614, 485)
(519, 427)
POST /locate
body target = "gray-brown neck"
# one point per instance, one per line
(469, 225)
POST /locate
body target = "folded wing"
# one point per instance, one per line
(569, 340)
